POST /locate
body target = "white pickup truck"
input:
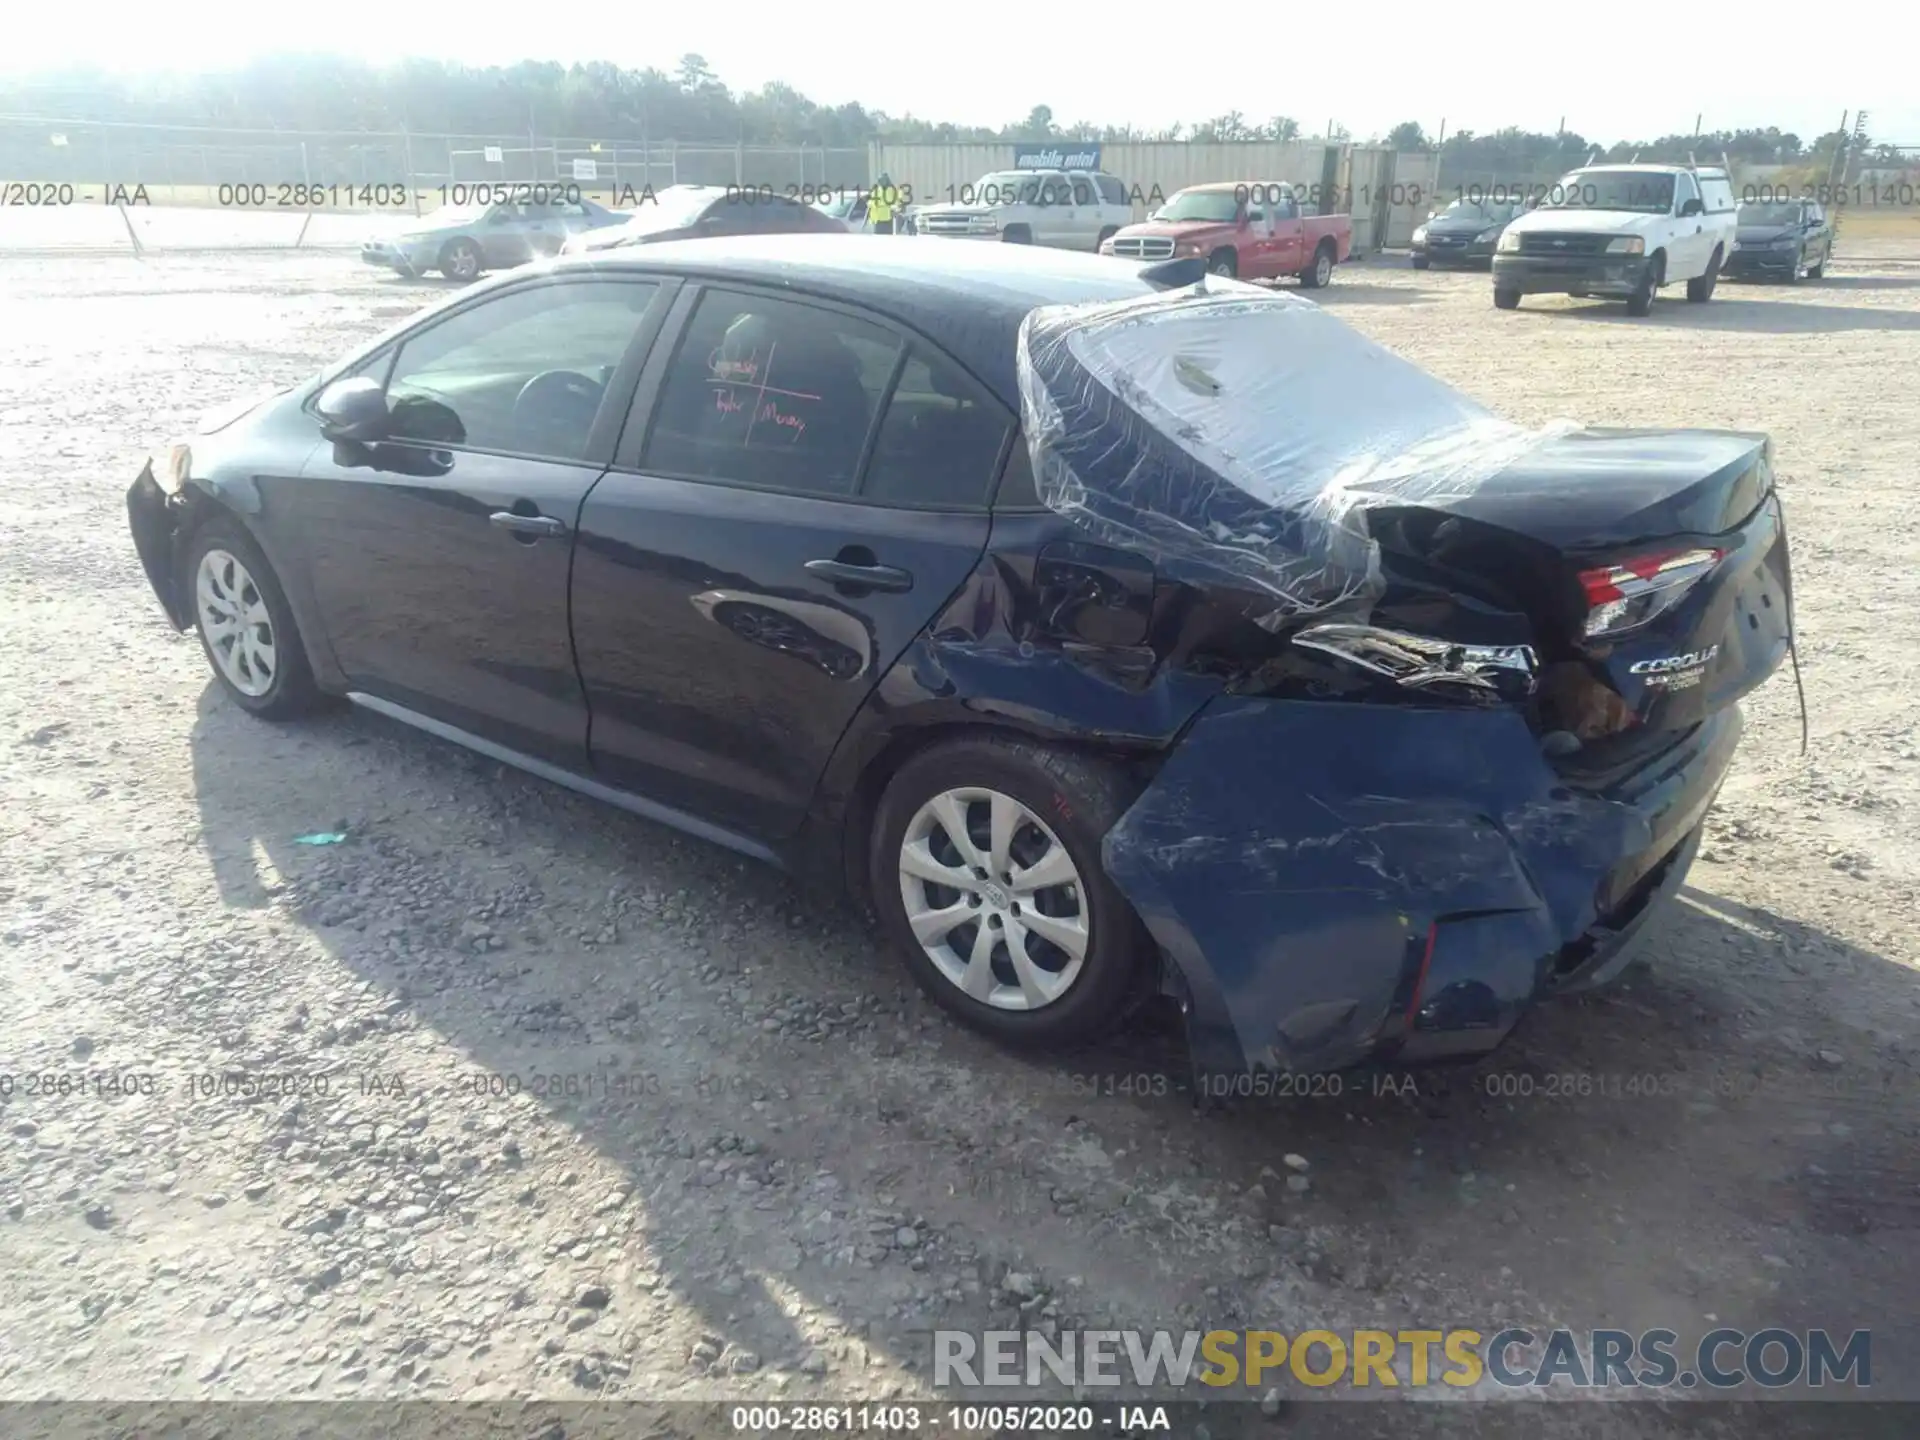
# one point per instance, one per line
(1070, 209)
(1620, 231)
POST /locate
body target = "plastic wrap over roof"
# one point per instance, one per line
(1231, 431)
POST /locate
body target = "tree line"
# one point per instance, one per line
(600, 100)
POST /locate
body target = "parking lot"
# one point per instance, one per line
(575, 1106)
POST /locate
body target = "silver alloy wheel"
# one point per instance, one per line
(1322, 268)
(464, 263)
(234, 619)
(994, 899)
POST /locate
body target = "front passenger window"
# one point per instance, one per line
(524, 373)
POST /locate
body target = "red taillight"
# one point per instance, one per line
(1626, 594)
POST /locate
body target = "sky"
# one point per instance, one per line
(990, 61)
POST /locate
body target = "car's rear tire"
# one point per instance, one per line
(1641, 301)
(245, 625)
(1056, 957)
(1505, 298)
(1224, 262)
(1420, 262)
(1319, 271)
(1700, 288)
(460, 260)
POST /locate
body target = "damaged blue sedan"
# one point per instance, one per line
(1112, 631)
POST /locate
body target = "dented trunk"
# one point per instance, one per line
(1479, 683)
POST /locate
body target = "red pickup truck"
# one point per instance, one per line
(1252, 229)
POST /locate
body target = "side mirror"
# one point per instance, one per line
(354, 410)
(1691, 207)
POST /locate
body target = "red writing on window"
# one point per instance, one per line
(770, 404)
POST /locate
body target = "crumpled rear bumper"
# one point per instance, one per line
(1346, 884)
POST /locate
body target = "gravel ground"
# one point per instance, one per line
(611, 1113)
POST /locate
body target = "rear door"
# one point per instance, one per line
(439, 557)
(800, 489)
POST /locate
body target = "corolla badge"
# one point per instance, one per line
(1674, 672)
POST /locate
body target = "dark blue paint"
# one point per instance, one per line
(1337, 870)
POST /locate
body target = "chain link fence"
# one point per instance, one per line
(183, 160)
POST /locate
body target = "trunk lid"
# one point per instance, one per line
(1652, 566)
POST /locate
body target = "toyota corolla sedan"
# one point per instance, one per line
(1110, 630)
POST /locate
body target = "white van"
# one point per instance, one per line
(1621, 231)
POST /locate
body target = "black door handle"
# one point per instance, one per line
(863, 577)
(535, 525)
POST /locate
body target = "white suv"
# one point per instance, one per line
(1071, 209)
(1620, 230)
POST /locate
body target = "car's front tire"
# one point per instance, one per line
(460, 261)
(1505, 298)
(1420, 262)
(1700, 288)
(1641, 301)
(985, 871)
(245, 624)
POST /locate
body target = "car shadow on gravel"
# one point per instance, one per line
(799, 1133)
(1759, 317)
(1858, 282)
(1346, 291)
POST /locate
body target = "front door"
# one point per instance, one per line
(810, 491)
(440, 556)
(1688, 251)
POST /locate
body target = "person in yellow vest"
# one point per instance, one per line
(880, 205)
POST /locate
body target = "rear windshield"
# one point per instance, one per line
(1648, 191)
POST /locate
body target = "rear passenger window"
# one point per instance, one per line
(940, 440)
(770, 393)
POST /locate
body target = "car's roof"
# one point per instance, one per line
(1711, 172)
(967, 297)
(1236, 185)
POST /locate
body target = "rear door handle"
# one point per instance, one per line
(535, 525)
(865, 577)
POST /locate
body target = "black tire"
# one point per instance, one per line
(1080, 800)
(292, 692)
(1106, 235)
(1700, 288)
(1420, 262)
(1017, 235)
(1505, 299)
(460, 260)
(1792, 276)
(1819, 272)
(1224, 262)
(1641, 301)
(1319, 271)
